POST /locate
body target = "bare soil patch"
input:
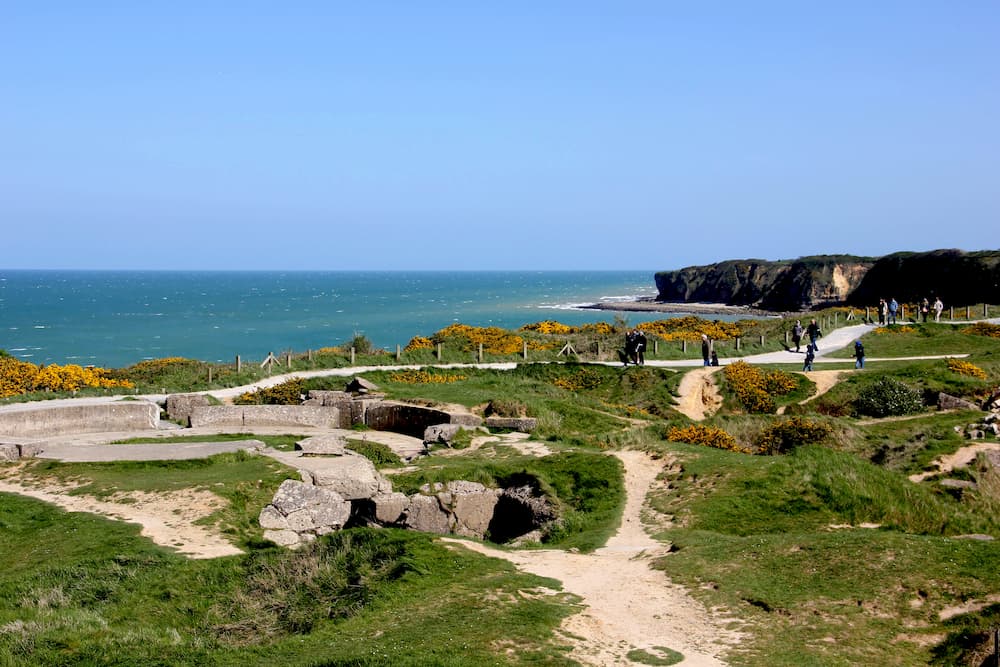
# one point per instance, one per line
(168, 518)
(626, 604)
(699, 397)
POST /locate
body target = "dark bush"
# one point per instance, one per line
(786, 435)
(286, 393)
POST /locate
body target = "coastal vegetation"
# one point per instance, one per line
(807, 526)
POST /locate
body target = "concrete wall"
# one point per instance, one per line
(248, 416)
(401, 418)
(63, 420)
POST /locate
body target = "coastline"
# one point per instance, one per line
(650, 305)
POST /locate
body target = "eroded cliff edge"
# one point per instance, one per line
(958, 277)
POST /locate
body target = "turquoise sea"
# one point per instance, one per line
(117, 318)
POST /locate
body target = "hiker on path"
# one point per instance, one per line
(810, 355)
(629, 352)
(859, 354)
(938, 307)
(639, 347)
(813, 332)
(706, 349)
(882, 308)
(893, 307)
(797, 332)
(925, 308)
(715, 358)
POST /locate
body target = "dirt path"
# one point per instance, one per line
(699, 397)
(168, 519)
(628, 605)
(960, 459)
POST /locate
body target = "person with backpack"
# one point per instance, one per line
(893, 307)
(859, 354)
(810, 356)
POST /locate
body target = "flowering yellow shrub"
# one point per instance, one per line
(583, 379)
(419, 343)
(493, 339)
(710, 436)
(16, 376)
(549, 327)
(691, 328)
(424, 377)
(983, 329)
(158, 365)
(20, 377)
(895, 329)
(599, 328)
(966, 368)
(756, 389)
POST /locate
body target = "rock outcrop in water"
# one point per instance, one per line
(958, 277)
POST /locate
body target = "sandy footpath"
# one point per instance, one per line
(627, 604)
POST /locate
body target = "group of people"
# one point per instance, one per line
(887, 311)
(635, 348)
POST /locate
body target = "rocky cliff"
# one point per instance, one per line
(958, 277)
(796, 284)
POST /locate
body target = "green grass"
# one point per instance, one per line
(923, 339)
(285, 443)
(107, 596)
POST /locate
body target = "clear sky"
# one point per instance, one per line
(504, 135)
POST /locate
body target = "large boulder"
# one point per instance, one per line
(472, 505)
(354, 477)
(303, 511)
(390, 507)
(949, 402)
(426, 514)
(522, 424)
(322, 445)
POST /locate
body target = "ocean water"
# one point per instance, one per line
(117, 318)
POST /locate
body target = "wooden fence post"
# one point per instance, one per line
(967, 316)
(288, 359)
(656, 346)
(786, 336)
(762, 340)
(480, 353)
(309, 355)
(239, 365)
(867, 318)
(439, 352)
(684, 346)
(986, 311)
(398, 353)
(524, 350)
(353, 351)
(951, 313)
(210, 375)
(902, 311)
(737, 342)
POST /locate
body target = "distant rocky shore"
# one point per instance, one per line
(651, 305)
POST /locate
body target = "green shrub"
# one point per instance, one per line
(786, 435)
(286, 393)
(887, 397)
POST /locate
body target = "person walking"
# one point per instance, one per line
(706, 349)
(938, 307)
(859, 355)
(882, 308)
(626, 355)
(925, 309)
(810, 356)
(893, 307)
(797, 332)
(639, 344)
(813, 332)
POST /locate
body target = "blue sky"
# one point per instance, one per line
(558, 135)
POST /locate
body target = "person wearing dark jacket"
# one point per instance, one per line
(859, 354)
(813, 332)
(706, 349)
(810, 356)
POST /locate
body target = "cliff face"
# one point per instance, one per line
(960, 278)
(783, 285)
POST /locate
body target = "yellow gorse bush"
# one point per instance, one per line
(424, 377)
(549, 327)
(756, 389)
(966, 368)
(691, 328)
(493, 339)
(419, 343)
(158, 365)
(21, 377)
(895, 329)
(709, 436)
(983, 329)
